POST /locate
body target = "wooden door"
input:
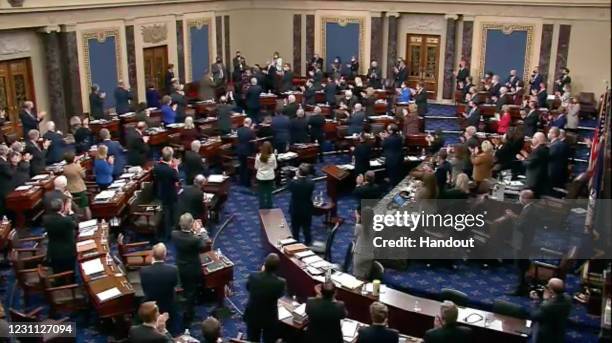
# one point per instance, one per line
(423, 58)
(156, 64)
(16, 86)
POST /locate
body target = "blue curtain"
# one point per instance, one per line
(103, 67)
(342, 41)
(199, 52)
(505, 52)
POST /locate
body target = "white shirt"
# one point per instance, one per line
(265, 171)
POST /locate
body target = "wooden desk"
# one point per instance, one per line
(335, 175)
(203, 108)
(157, 137)
(299, 96)
(111, 125)
(402, 313)
(116, 206)
(220, 278)
(268, 102)
(24, 203)
(307, 152)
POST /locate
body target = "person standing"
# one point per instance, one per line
(551, 316)
(420, 98)
(378, 332)
(300, 207)
(536, 164)
(165, 177)
(103, 167)
(96, 102)
(168, 110)
(39, 156)
(252, 100)
(261, 313)
(169, 79)
(29, 117)
(75, 176)
(393, 145)
(245, 149)
(123, 98)
(265, 164)
(324, 316)
(316, 123)
(61, 230)
(153, 327)
(446, 328)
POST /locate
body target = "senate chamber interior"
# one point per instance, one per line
(318, 171)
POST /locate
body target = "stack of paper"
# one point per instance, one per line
(217, 178)
(349, 329)
(92, 266)
(346, 280)
(283, 313)
(346, 166)
(85, 245)
(23, 188)
(109, 294)
(127, 175)
(304, 253)
(88, 223)
(312, 259)
(105, 195)
(40, 177)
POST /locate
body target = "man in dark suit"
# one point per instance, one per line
(291, 107)
(366, 187)
(512, 79)
(324, 316)
(159, 282)
(374, 75)
(446, 328)
(6, 177)
(393, 145)
(252, 100)
(462, 73)
(535, 80)
(330, 90)
(559, 155)
(191, 198)
(96, 102)
(188, 249)
(531, 120)
(300, 207)
(536, 165)
(29, 117)
(178, 99)
(165, 177)
(503, 99)
(281, 128)
(169, 79)
(362, 155)
(217, 71)
(400, 73)
(153, 327)
(551, 316)
(192, 162)
(211, 330)
(114, 149)
(287, 79)
(495, 86)
(123, 98)
(472, 117)
(356, 120)
(316, 123)
(565, 79)
(244, 149)
(61, 230)
(420, 98)
(39, 156)
(299, 128)
(261, 313)
(224, 116)
(137, 147)
(378, 331)
(542, 96)
(57, 145)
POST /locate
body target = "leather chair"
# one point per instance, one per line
(458, 297)
(588, 105)
(507, 308)
(324, 248)
(348, 258)
(229, 164)
(25, 264)
(62, 292)
(145, 213)
(133, 255)
(377, 272)
(33, 316)
(541, 271)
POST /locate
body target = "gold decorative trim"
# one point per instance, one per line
(101, 35)
(155, 33)
(507, 29)
(342, 22)
(198, 23)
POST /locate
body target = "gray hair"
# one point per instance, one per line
(33, 134)
(167, 153)
(199, 179)
(60, 182)
(449, 312)
(186, 221)
(195, 145)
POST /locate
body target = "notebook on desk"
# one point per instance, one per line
(85, 245)
(109, 294)
(214, 266)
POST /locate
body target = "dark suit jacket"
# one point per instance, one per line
(531, 123)
(301, 197)
(368, 191)
(363, 154)
(147, 334)
(535, 82)
(299, 130)
(193, 165)
(421, 101)
(503, 100)
(559, 154)
(21, 174)
(462, 74)
(191, 200)
(393, 151)
(188, 248)
(224, 118)
(309, 96)
(96, 104)
(159, 281)
(83, 139)
(61, 232)
(377, 334)
(181, 105)
(317, 123)
(165, 178)
(551, 319)
(290, 110)
(252, 97)
(542, 99)
(168, 81)
(324, 318)
(6, 181)
(287, 81)
(331, 89)
(115, 149)
(38, 161)
(137, 149)
(448, 333)
(355, 122)
(245, 147)
(281, 126)
(536, 169)
(494, 89)
(264, 291)
(473, 118)
(28, 121)
(122, 100)
(55, 152)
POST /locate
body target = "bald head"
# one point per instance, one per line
(60, 183)
(526, 196)
(539, 138)
(159, 252)
(556, 285)
(247, 122)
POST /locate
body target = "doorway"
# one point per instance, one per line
(16, 86)
(155, 65)
(422, 61)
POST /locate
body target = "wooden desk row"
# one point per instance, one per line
(409, 314)
(117, 205)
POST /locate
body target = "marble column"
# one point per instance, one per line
(226, 33)
(180, 47)
(72, 80)
(562, 49)
(219, 38)
(310, 34)
(393, 23)
(449, 57)
(55, 79)
(376, 40)
(131, 60)
(466, 41)
(297, 44)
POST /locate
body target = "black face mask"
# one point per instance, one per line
(218, 61)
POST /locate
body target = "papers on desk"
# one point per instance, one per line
(127, 176)
(322, 264)
(208, 196)
(375, 163)
(217, 178)
(312, 259)
(287, 156)
(304, 253)
(109, 294)
(85, 245)
(349, 329)
(412, 158)
(314, 271)
(23, 188)
(579, 210)
(283, 313)
(346, 166)
(300, 310)
(346, 280)
(92, 266)
(88, 223)
(40, 177)
(104, 195)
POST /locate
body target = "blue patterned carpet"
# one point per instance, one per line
(241, 242)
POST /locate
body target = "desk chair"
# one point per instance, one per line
(229, 164)
(145, 213)
(13, 241)
(132, 254)
(25, 264)
(348, 258)
(507, 308)
(61, 292)
(541, 271)
(377, 272)
(324, 248)
(34, 316)
(458, 297)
